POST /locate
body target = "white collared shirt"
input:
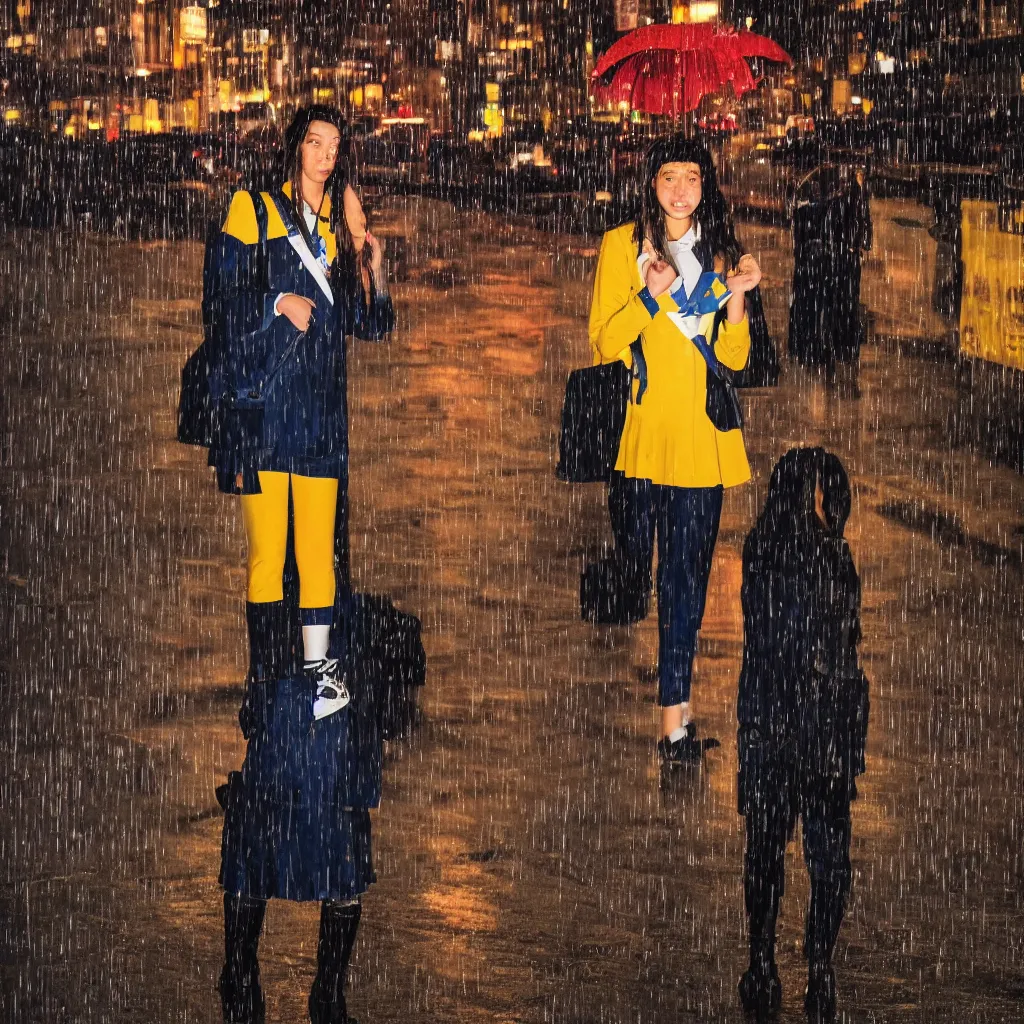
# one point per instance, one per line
(682, 255)
(690, 269)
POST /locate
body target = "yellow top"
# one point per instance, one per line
(668, 439)
(241, 220)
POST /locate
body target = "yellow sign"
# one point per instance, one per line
(193, 25)
(992, 310)
(255, 39)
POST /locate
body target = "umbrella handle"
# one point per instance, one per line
(677, 88)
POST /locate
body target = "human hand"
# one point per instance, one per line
(745, 277)
(298, 309)
(659, 275)
(376, 252)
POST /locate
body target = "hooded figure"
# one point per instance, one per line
(293, 273)
(831, 229)
(802, 710)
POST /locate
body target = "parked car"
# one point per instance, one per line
(456, 167)
(22, 163)
(583, 158)
(395, 153)
(763, 178)
(167, 191)
(719, 123)
(627, 160)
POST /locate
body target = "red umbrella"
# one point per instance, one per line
(666, 69)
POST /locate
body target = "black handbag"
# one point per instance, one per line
(593, 415)
(762, 369)
(721, 405)
(611, 596)
(198, 405)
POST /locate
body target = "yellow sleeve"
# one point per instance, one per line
(733, 343)
(241, 219)
(617, 312)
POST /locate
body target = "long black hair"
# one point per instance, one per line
(717, 235)
(350, 264)
(294, 136)
(787, 528)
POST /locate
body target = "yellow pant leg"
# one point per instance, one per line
(266, 529)
(316, 503)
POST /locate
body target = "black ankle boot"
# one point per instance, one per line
(687, 750)
(273, 637)
(273, 655)
(240, 993)
(338, 926)
(760, 987)
(820, 1000)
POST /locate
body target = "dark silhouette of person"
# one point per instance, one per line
(831, 230)
(802, 710)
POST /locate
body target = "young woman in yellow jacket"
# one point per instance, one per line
(672, 462)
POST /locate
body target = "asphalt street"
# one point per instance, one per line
(533, 866)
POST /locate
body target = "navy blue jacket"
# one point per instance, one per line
(283, 399)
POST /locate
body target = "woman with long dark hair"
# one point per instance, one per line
(295, 273)
(831, 231)
(673, 462)
(292, 289)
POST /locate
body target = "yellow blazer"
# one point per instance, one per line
(668, 439)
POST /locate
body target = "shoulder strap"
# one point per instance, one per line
(285, 211)
(639, 368)
(261, 214)
(707, 351)
(297, 239)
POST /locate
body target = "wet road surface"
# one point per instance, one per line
(532, 866)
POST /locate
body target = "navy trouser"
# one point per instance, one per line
(685, 520)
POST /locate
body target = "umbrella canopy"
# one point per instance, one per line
(666, 69)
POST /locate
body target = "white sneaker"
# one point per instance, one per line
(331, 692)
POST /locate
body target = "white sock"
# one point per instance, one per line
(316, 640)
(676, 734)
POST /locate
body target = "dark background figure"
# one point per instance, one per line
(949, 269)
(802, 710)
(831, 230)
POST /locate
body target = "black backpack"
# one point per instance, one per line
(199, 398)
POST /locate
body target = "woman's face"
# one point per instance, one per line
(355, 218)
(320, 151)
(678, 189)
